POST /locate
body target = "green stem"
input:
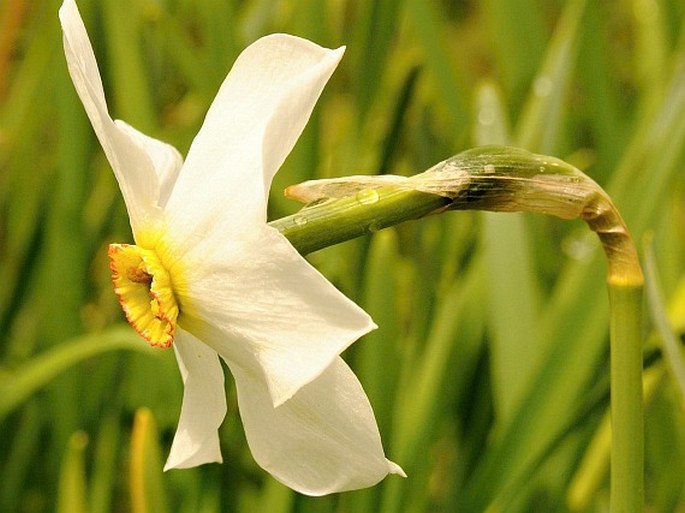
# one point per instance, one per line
(627, 445)
(369, 210)
(503, 179)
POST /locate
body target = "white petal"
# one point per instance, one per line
(323, 440)
(136, 164)
(253, 123)
(268, 305)
(204, 404)
(166, 160)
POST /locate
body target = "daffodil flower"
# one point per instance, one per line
(208, 277)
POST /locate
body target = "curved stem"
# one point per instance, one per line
(504, 179)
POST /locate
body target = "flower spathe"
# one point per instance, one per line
(209, 277)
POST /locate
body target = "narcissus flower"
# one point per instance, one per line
(208, 277)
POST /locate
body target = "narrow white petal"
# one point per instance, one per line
(253, 123)
(322, 440)
(136, 169)
(166, 160)
(204, 404)
(270, 306)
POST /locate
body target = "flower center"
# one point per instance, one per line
(145, 292)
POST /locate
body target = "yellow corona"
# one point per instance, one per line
(145, 292)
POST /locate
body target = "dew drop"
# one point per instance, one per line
(300, 221)
(367, 196)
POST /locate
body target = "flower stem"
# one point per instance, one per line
(369, 210)
(503, 179)
(627, 445)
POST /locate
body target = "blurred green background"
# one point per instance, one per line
(489, 373)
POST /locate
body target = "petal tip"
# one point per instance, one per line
(175, 463)
(394, 468)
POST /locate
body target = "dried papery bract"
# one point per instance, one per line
(503, 179)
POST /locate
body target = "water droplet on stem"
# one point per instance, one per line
(367, 196)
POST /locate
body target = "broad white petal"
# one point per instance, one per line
(204, 404)
(322, 440)
(268, 305)
(253, 123)
(128, 152)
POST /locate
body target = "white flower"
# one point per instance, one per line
(209, 276)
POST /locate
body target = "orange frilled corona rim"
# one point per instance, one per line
(145, 292)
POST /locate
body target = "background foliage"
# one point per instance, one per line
(489, 372)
